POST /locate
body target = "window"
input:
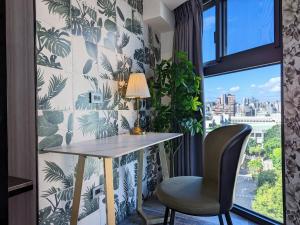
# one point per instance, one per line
(242, 85)
(209, 28)
(234, 30)
(249, 24)
(253, 97)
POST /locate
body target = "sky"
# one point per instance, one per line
(250, 24)
(262, 84)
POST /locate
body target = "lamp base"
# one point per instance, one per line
(137, 131)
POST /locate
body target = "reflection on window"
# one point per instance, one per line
(209, 27)
(250, 23)
(252, 97)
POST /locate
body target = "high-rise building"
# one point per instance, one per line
(225, 104)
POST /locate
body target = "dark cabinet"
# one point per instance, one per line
(21, 132)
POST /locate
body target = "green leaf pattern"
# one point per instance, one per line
(102, 25)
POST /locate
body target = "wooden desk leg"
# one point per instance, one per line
(77, 190)
(109, 191)
(163, 161)
(140, 182)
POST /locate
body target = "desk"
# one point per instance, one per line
(108, 149)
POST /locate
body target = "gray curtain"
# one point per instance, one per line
(188, 38)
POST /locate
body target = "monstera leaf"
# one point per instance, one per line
(71, 122)
(123, 43)
(69, 134)
(134, 26)
(91, 12)
(51, 141)
(110, 40)
(110, 25)
(91, 33)
(116, 181)
(44, 214)
(125, 124)
(106, 64)
(139, 55)
(91, 49)
(66, 194)
(55, 41)
(60, 7)
(100, 23)
(54, 117)
(45, 128)
(90, 204)
(88, 66)
(107, 7)
(120, 14)
(77, 22)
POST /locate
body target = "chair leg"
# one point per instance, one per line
(166, 216)
(172, 219)
(228, 218)
(220, 219)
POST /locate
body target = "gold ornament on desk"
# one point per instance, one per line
(138, 89)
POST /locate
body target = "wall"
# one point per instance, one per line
(167, 45)
(158, 15)
(89, 46)
(291, 71)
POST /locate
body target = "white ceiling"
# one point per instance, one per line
(173, 4)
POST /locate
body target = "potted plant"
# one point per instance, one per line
(175, 97)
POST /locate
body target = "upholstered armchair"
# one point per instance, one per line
(212, 194)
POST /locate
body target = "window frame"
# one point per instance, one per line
(261, 56)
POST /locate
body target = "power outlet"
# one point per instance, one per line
(97, 191)
(95, 98)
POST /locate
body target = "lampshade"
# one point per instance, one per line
(137, 86)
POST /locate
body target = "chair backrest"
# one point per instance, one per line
(223, 148)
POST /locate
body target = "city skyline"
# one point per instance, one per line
(261, 83)
(227, 105)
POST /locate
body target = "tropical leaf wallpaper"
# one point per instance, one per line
(291, 82)
(85, 46)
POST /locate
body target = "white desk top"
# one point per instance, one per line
(114, 147)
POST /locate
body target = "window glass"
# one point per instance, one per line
(252, 97)
(209, 28)
(250, 23)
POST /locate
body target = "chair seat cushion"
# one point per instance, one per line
(189, 195)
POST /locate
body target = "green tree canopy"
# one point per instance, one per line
(255, 166)
(266, 177)
(256, 150)
(270, 144)
(268, 200)
(251, 143)
(276, 158)
(273, 132)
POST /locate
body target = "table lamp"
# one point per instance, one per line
(137, 88)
